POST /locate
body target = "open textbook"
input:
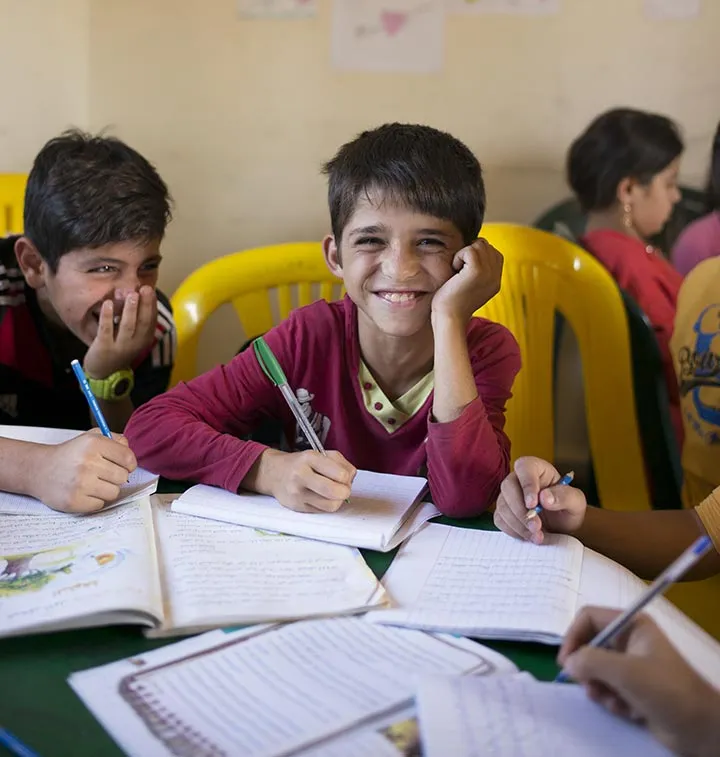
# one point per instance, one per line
(487, 585)
(507, 716)
(141, 483)
(327, 688)
(384, 510)
(145, 564)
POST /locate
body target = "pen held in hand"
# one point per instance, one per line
(674, 572)
(564, 481)
(90, 397)
(273, 370)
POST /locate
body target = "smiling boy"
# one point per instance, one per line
(80, 284)
(402, 378)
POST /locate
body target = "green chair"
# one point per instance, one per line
(657, 435)
(566, 219)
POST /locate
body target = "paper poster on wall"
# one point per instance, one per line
(277, 8)
(660, 9)
(519, 7)
(388, 35)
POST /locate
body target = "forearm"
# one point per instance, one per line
(20, 465)
(455, 385)
(467, 460)
(645, 542)
(117, 414)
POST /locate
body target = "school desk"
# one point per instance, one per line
(38, 706)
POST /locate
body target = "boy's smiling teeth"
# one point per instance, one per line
(399, 296)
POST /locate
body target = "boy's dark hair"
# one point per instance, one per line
(619, 144)
(89, 191)
(713, 184)
(414, 166)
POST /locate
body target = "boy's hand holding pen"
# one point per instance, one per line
(310, 481)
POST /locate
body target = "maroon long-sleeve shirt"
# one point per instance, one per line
(192, 431)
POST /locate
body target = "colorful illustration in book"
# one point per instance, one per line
(32, 571)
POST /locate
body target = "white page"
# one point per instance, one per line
(382, 737)
(484, 584)
(512, 716)
(142, 483)
(57, 569)
(379, 504)
(607, 584)
(219, 574)
(291, 687)
(98, 688)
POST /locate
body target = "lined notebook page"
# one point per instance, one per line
(607, 584)
(290, 687)
(514, 716)
(483, 584)
(218, 574)
(379, 504)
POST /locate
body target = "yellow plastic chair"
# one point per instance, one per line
(544, 273)
(292, 274)
(12, 200)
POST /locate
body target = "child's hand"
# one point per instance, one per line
(532, 483)
(643, 678)
(114, 349)
(81, 475)
(310, 482)
(477, 280)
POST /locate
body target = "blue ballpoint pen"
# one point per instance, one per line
(14, 745)
(674, 572)
(564, 481)
(90, 397)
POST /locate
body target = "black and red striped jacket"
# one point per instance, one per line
(36, 389)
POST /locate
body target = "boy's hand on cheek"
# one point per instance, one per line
(476, 281)
(116, 347)
(310, 482)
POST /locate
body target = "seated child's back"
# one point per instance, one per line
(696, 349)
(398, 377)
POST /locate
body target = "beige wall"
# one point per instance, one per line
(44, 58)
(239, 115)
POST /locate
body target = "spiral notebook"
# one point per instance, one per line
(291, 687)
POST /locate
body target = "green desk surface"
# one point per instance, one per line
(39, 707)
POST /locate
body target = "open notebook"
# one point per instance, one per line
(513, 716)
(325, 688)
(383, 510)
(144, 564)
(141, 483)
(488, 585)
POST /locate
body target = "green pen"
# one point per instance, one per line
(271, 368)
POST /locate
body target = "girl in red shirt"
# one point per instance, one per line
(623, 169)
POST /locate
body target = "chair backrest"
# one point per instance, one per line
(567, 219)
(661, 453)
(544, 274)
(12, 199)
(263, 285)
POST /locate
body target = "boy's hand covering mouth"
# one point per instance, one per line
(122, 335)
